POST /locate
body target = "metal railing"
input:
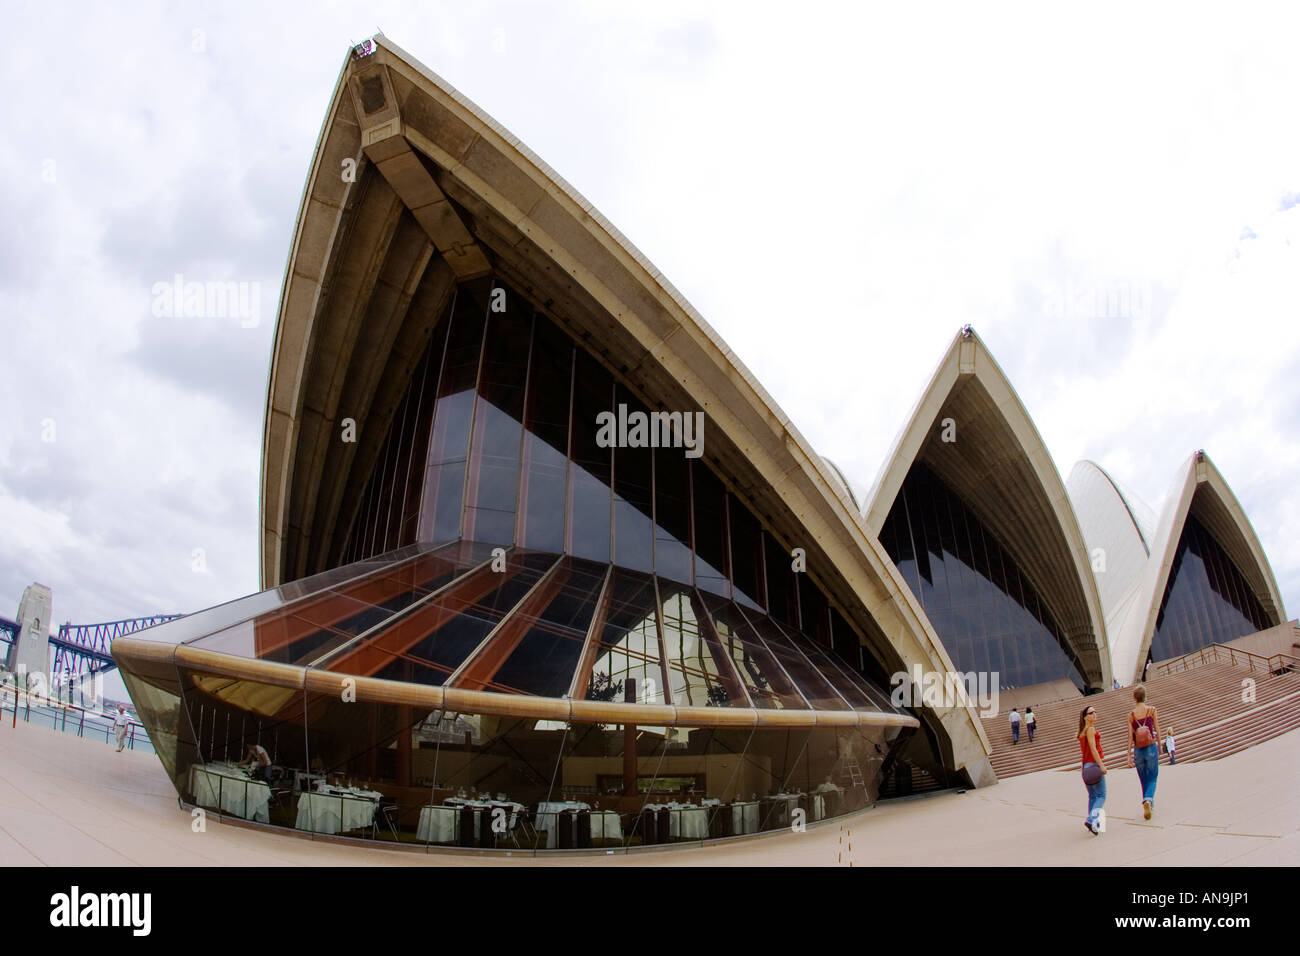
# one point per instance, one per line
(1234, 655)
(68, 718)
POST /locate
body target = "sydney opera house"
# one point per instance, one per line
(485, 624)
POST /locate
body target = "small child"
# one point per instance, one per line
(1169, 745)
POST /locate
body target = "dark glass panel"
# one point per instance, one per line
(155, 690)
(855, 697)
(813, 685)
(314, 625)
(453, 416)
(493, 484)
(672, 516)
(982, 606)
(540, 648)
(428, 644)
(698, 675)
(770, 687)
(629, 644)
(633, 498)
(1206, 600)
(710, 503)
(546, 440)
(813, 617)
(781, 584)
(746, 554)
(590, 466)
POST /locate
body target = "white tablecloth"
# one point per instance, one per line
(437, 825)
(605, 824)
(231, 791)
(337, 812)
(744, 817)
(546, 817)
(685, 820)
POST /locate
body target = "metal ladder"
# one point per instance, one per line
(853, 770)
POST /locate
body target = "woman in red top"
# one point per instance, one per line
(1090, 751)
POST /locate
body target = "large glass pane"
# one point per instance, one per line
(770, 686)
(590, 470)
(444, 482)
(1206, 599)
(538, 648)
(672, 515)
(542, 494)
(427, 644)
(710, 505)
(697, 671)
(629, 644)
(314, 626)
(493, 485)
(251, 742)
(983, 607)
(812, 684)
(633, 499)
(746, 555)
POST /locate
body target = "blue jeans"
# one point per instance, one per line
(1147, 762)
(1015, 733)
(1096, 796)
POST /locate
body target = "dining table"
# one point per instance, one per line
(229, 788)
(605, 824)
(334, 809)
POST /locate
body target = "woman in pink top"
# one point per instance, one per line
(1144, 736)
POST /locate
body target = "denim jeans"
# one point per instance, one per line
(1096, 796)
(1015, 732)
(1147, 762)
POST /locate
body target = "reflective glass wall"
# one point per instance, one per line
(373, 770)
(1206, 599)
(984, 609)
(497, 441)
(325, 749)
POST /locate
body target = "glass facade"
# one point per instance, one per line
(1206, 599)
(984, 609)
(355, 757)
(518, 589)
(504, 408)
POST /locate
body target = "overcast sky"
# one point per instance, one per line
(836, 190)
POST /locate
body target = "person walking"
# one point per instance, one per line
(1144, 736)
(1169, 745)
(1015, 726)
(120, 724)
(1094, 768)
(1030, 722)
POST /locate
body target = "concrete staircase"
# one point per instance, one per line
(1201, 700)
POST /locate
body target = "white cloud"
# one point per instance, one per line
(829, 186)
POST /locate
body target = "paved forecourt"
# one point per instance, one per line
(71, 802)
